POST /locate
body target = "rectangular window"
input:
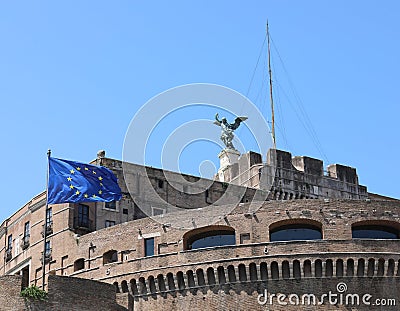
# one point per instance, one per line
(125, 211)
(157, 211)
(49, 216)
(109, 223)
(149, 247)
(244, 238)
(83, 215)
(27, 230)
(47, 249)
(111, 205)
(9, 242)
(63, 264)
(38, 275)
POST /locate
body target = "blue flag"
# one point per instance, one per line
(74, 182)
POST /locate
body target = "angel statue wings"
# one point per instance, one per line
(227, 129)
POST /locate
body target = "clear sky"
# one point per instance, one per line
(74, 73)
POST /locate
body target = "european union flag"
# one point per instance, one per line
(74, 182)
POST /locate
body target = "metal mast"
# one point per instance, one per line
(270, 90)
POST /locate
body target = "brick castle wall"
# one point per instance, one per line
(64, 294)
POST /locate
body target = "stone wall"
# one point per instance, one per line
(10, 289)
(64, 294)
(244, 296)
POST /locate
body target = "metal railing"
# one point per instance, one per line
(49, 228)
(25, 241)
(47, 256)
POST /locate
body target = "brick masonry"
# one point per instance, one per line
(226, 277)
(64, 294)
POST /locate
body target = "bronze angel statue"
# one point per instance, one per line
(227, 129)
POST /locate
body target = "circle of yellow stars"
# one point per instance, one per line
(77, 192)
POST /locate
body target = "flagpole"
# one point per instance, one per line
(45, 221)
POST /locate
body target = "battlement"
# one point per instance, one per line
(291, 177)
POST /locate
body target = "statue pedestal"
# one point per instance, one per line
(227, 157)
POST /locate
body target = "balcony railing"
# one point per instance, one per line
(8, 254)
(83, 224)
(49, 228)
(47, 256)
(25, 241)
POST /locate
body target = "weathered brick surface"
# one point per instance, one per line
(244, 296)
(64, 294)
(10, 289)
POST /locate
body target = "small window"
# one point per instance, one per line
(47, 248)
(49, 216)
(109, 223)
(26, 229)
(111, 205)
(64, 264)
(9, 242)
(160, 183)
(110, 256)
(79, 264)
(125, 211)
(157, 211)
(149, 247)
(244, 238)
(83, 215)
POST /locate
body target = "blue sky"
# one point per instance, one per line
(73, 74)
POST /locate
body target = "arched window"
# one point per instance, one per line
(134, 287)
(390, 269)
(375, 230)
(264, 271)
(117, 290)
(200, 277)
(318, 268)
(242, 273)
(350, 267)
(124, 286)
(253, 272)
(110, 256)
(161, 283)
(221, 275)
(211, 276)
(285, 269)
(79, 264)
(181, 281)
(211, 236)
(274, 270)
(142, 286)
(190, 278)
(152, 284)
(300, 229)
(232, 274)
(296, 270)
(361, 267)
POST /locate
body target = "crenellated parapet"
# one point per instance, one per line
(298, 177)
